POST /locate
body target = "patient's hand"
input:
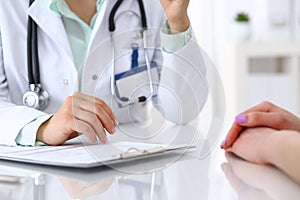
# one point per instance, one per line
(269, 146)
(264, 114)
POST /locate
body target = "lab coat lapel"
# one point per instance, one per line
(99, 33)
(51, 24)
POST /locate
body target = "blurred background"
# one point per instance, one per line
(255, 45)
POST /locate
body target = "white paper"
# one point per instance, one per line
(76, 155)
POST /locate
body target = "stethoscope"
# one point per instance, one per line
(125, 101)
(36, 97)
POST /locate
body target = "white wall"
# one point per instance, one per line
(212, 22)
(200, 13)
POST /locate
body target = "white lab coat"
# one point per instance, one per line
(179, 100)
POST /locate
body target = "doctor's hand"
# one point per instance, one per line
(176, 11)
(79, 114)
(85, 190)
(264, 114)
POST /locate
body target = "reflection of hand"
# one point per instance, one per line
(81, 190)
(258, 182)
(268, 146)
(78, 114)
(263, 115)
(176, 11)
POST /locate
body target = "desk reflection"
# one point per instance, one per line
(259, 182)
(186, 178)
(175, 177)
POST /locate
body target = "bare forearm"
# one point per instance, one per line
(286, 153)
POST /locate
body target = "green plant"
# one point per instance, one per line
(242, 17)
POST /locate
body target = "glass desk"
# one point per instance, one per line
(207, 173)
(217, 176)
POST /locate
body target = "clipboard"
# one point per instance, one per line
(77, 155)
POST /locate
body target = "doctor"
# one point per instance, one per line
(75, 53)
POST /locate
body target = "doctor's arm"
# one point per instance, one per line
(13, 118)
(176, 12)
(78, 114)
(183, 90)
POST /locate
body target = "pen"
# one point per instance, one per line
(12, 179)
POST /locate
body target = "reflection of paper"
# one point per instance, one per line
(74, 155)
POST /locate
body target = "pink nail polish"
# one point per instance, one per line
(223, 144)
(241, 119)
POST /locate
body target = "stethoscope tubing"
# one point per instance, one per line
(111, 29)
(32, 52)
(111, 19)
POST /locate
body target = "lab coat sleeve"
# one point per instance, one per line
(183, 90)
(174, 42)
(12, 117)
(27, 136)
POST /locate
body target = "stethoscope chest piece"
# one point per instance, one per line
(36, 98)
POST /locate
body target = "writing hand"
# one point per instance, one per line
(79, 114)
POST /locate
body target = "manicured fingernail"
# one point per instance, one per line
(223, 144)
(241, 118)
(116, 123)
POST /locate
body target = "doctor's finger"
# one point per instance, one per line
(100, 113)
(97, 102)
(84, 128)
(93, 121)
